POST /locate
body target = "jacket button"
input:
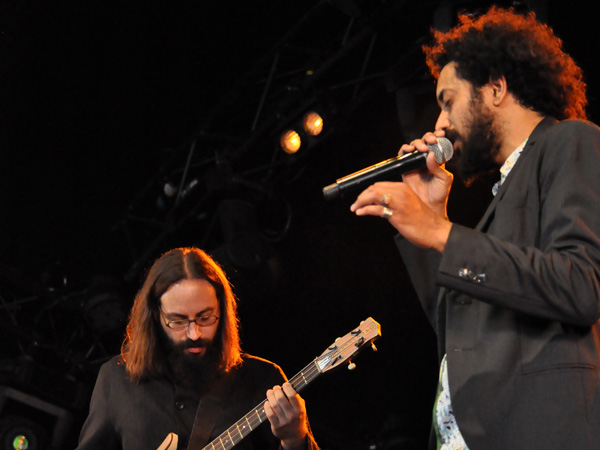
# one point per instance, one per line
(179, 405)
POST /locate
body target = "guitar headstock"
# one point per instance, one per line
(347, 346)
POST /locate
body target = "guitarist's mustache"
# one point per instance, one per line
(201, 343)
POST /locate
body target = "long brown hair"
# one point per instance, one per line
(141, 349)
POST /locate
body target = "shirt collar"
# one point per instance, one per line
(508, 165)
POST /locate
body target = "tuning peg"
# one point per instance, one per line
(351, 366)
(373, 346)
(337, 339)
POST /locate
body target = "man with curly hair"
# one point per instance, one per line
(515, 302)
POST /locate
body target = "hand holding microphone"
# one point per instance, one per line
(389, 170)
(415, 207)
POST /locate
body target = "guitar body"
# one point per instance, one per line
(170, 442)
(337, 353)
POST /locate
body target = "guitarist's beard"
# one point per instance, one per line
(191, 370)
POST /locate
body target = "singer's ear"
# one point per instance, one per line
(499, 89)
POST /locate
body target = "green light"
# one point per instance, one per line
(20, 443)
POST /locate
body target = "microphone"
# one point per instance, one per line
(389, 169)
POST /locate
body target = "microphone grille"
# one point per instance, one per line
(443, 150)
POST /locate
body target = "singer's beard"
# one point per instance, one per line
(480, 147)
(193, 370)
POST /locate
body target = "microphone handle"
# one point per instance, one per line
(384, 171)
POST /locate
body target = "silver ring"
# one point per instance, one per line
(387, 213)
(386, 200)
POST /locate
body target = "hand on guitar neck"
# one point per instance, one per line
(287, 414)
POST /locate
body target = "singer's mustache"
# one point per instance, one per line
(452, 135)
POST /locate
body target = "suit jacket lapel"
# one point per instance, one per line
(489, 213)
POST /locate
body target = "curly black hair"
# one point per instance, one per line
(500, 42)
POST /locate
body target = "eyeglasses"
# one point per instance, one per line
(181, 324)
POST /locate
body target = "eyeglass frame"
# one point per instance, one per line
(168, 322)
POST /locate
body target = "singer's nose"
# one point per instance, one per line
(442, 123)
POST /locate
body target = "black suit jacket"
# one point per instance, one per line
(516, 302)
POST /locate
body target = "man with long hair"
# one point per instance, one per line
(515, 302)
(182, 351)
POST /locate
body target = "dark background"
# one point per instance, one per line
(102, 103)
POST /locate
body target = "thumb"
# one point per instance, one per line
(436, 169)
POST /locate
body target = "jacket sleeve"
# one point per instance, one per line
(98, 432)
(422, 266)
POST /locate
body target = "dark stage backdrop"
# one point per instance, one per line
(100, 103)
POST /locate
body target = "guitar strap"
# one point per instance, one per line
(209, 410)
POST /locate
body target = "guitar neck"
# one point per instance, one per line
(243, 427)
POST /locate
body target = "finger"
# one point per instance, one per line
(423, 144)
(430, 138)
(295, 401)
(283, 403)
(279, 402)
(420, 144)
(273, 401)
(271, 416)
(436, 169)
(370, 210)
(380, 193)
(271, 409)
(371, 195)
(406, 148)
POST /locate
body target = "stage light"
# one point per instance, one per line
(28, 422)
(303, 132)
(20, 442)
(290, 142)
(313, 123)
(18, 433)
